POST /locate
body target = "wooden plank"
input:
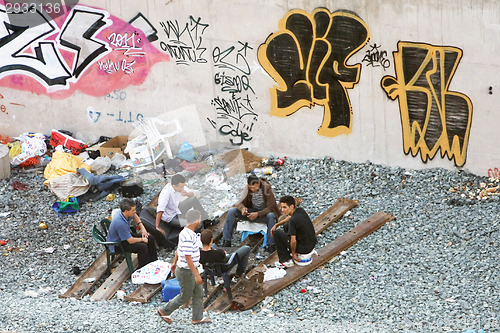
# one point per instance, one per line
(332, 214)
(95, 272)
(114, 281)
(144, 293)
(325, 254)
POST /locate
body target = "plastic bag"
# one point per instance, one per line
(32, 144)
(101, 165)
(68, 207)
(117, 160)
(186, 152)
(152, 273)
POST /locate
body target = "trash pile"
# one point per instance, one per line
(76, 171)
(485, 191)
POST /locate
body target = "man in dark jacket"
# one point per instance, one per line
(257, 204)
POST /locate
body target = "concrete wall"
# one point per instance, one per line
(397, 82)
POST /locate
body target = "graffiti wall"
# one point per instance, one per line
(394, 83)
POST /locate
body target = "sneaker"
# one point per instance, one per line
(209, 223)
(286, 264)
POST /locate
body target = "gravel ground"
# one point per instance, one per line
(433, 269)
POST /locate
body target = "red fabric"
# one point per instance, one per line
(74, 145)
(32, 161)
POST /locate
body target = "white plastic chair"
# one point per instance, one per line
(152, 142)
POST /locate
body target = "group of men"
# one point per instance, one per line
(179, 210)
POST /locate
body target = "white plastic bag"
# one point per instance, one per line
(117, 160)
(152, 273)
(101, 165)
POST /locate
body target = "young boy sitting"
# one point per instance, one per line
(210, 255)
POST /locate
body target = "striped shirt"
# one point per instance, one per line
(258, 201)
(189, 244)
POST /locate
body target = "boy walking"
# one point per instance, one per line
(185, 269)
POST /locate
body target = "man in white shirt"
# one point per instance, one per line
(185, 265)
(171, 210)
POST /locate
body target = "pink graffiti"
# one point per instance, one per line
(87, 49)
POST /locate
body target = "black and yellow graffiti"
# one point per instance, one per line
(432, 117)
(308, 57)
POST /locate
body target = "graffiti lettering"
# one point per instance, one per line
(308, 59)
(84, 24)
(110, 67)
(127, 44)
(235, 114)
(237, 117)
(22, 33)
(242, 136)
(142, 23)
(26, 31)
(233, 108)
(376, 58)
(433, 118)
(239, 58)
(233, 84)
(54, 55)
(494, 173)
(184, 44)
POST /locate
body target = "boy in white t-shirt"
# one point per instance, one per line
(184, 267)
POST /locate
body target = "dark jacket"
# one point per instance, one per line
(270, 200)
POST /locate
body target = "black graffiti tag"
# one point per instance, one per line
(375, 58)
(238, 117)
(308, 60)
(185, 42)
(232, 60)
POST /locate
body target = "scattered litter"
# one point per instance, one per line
(274, 273)
(3, 241)
(348, 213)
(224, 187)
(66, 246)
(43, 225)
(30, 293)
(259, 172)
(49, 250)
(267, 300)
(19, 186)
(111, 197)
(4, 214)
(120, 294)
(303, 290)
(89, 280)
(76, 270)
(43, 291)
(214, 179)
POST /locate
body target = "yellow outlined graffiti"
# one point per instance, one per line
(307, 58)
(432, 117)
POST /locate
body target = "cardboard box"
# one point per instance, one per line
(113, 146)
